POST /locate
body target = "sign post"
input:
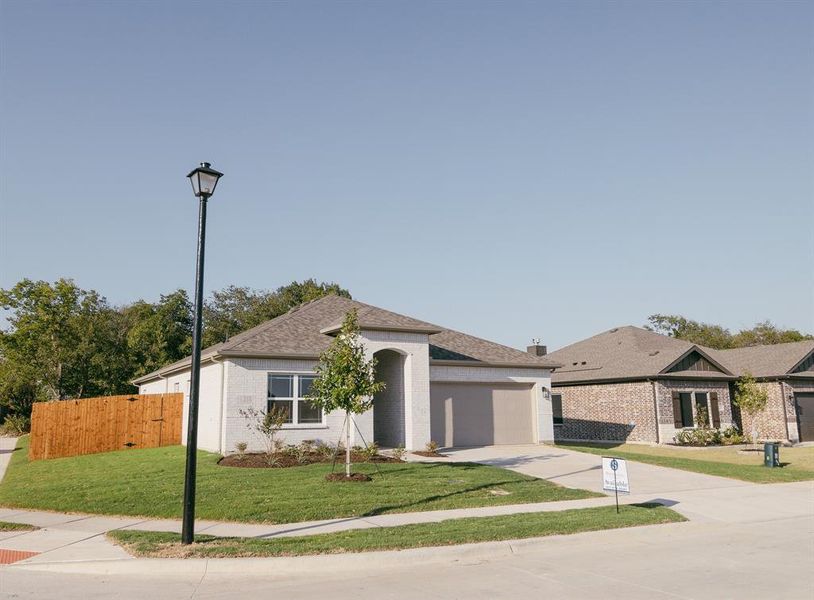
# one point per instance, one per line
(614, 477)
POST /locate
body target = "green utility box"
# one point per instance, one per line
(771, 454)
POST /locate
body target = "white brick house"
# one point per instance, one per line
(441, 385)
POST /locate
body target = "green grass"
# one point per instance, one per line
(444, 533)
(150, 483)
(723, 462)
(6, 526)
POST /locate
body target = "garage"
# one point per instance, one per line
(805, 416)
(481, 414)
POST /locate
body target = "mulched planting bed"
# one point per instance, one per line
(429, 454)
(282, 460)
(343, 477)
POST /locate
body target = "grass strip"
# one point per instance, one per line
(444, 533)
(6, 526)
(751, 473)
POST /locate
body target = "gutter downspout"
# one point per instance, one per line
(656, 408)
(785, 410)
(222, 409)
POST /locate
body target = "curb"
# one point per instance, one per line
(279, 566)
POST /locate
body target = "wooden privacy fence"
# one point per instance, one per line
(91, 425)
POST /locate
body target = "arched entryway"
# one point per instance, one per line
(388, 405)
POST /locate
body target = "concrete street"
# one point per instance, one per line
(743, 540)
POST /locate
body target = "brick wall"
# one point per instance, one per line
(608, 412)
(626, 411)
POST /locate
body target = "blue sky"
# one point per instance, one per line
(512, 169)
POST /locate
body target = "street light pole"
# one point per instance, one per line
(204, 179)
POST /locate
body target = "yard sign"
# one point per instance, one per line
(614, 477)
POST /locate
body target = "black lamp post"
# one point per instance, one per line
(204, 179)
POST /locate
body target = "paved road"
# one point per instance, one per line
(744, 541)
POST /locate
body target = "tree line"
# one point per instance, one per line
(721, 338)
(62, 341)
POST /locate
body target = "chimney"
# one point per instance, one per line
(536, 349)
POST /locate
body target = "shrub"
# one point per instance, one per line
(15, 425)
(267, 424)
(432, 447)
(241, 448)
(325, 450)
(731, 435)
(398, 452)
(371, 451)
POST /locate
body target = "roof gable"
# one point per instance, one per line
(696, 361)
(806, 365)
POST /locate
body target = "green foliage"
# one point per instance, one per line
(398, 452)
(715, 336)
(15, 425)
(750, 396)
(235, 309)
(158, 334)
(346, 378)
(66, 342)
(57, 345)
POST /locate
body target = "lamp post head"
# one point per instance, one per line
(204, 179)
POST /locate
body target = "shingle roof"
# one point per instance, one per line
(304, 332)
(634, 353)
(766, 361)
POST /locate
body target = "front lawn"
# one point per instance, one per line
(723, 461)
(150, 483)
(444, 533)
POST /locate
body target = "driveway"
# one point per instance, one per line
(702, 498)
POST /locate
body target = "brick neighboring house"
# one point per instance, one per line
(786, 371)
(630, 384)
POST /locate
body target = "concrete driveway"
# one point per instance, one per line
(702, 498)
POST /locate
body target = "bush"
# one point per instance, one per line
(398, 452)
(731, 436)
(15, 425)
(371, 451)
(431, 447)
(241, 448)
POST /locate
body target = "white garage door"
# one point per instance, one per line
(481, 414)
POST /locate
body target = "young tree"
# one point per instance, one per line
(751, 398)
(346, 379)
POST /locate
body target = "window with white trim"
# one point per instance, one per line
(289, 393)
